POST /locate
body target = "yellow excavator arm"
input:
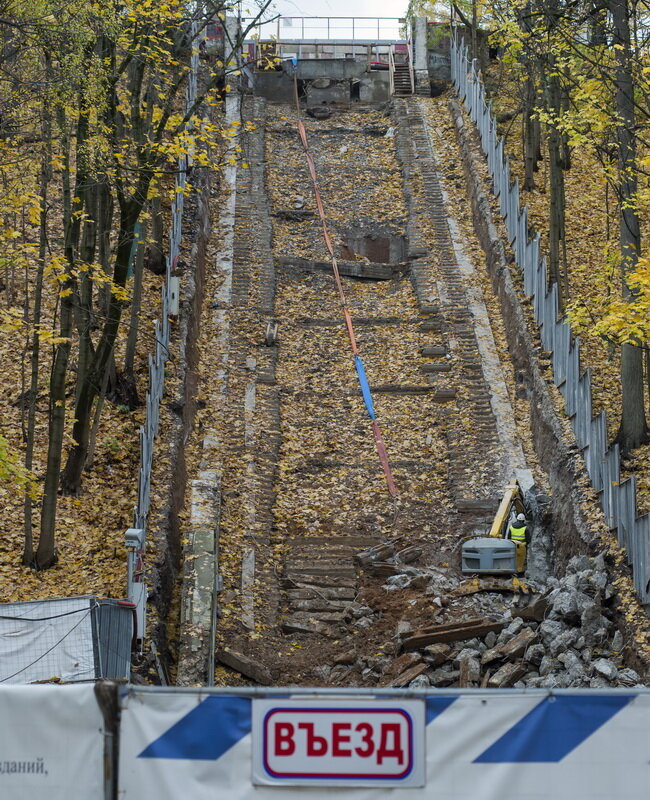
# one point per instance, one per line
(511, 497)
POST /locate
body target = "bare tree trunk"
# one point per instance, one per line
(633, 430)
(92, 440)
(73, 208)
(557, 207)
(531, 135)
(475, 53)
(46, 159)
(46, 553)
(84, 312)
(531, 132)
(71, 478)
(155, 260)
(129, 389)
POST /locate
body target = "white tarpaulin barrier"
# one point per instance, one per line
(479, 745)
(46, 639)
(51, 743)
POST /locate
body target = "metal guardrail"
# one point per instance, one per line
(283, 28)
(618, 498)
(136, 536)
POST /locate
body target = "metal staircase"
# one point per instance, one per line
(401, 73)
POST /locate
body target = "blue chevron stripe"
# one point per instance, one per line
(207, 732)
(436, 705)
(554, 728)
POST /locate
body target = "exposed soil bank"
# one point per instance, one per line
(577, 520)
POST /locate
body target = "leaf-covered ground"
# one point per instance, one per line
(90, 526)
(328, 484)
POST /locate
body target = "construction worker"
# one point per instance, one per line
(520, 535)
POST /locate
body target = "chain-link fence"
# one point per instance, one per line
(618, 498)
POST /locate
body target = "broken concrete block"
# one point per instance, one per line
(507, 675)
(605, 668)
(245, 666)
(516, 647)
(436, 654)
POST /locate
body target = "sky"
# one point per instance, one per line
(342, 8)
(336, 8)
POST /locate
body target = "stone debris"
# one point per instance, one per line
(562, 638)
(605, 668)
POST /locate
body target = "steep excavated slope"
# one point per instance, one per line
(302, 491)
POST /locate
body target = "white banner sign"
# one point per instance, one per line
(338, 743)
(51, 743)
(479, 746)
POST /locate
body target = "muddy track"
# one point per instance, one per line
(302, 488)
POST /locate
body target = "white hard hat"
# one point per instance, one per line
(521, 518)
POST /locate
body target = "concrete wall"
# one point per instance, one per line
(337, 69)
(337, 94)
(438, 58)
(375, 87)
(276, 87)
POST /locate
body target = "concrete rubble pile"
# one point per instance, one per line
(564, 638)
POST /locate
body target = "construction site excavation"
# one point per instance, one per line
(325, 455)
(344, 559)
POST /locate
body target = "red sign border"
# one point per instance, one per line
(343, 776)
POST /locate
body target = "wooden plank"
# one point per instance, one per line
(317, 604)
(464, 679)
(506, 675)
(406, 677)
(516, 647)
(307, 592)
(296, 579)
(383, 569)
(439, 395)
(377, 553)
(247, 589)
(457, 632)
(373, 270)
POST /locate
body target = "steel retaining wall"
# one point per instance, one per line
(618, 498)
